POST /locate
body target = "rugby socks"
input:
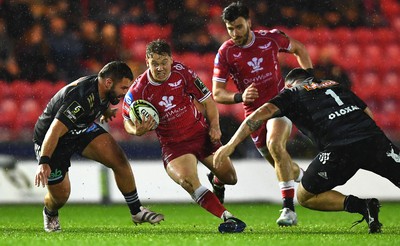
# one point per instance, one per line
(209, 201)
(353, 204)
(287, 190)
(132, 199)
(50, 213)
(217, 182)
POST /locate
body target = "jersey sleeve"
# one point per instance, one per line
(221, 67)
(359, 102)
(281, 39)
(283, 101)
(71, 111)
(196, 87)
(128, 100)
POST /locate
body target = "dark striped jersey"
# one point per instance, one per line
(327, 113)
(77, 105)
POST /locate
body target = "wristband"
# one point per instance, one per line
(237, 98)
(44, 160)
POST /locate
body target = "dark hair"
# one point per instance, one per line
(296, 74)
(234, 11)
(116, 70)
(159, 46)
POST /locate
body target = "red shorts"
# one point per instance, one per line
(200, 146)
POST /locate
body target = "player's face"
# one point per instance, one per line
(160, 66)
(118, 90)
(239, 31)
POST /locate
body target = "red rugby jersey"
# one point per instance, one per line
(179, 118)
(255, 63)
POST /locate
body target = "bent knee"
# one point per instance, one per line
(186, 184)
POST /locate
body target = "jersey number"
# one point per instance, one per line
(336, 97)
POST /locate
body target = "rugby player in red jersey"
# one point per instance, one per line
(251, 59)
(185, 134)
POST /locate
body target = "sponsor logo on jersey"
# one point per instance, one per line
(323, 84)
(343, 111)
(265, 46)
(324, 175)
(201, 86)
(90, 99)
(179, 66)
(261, 77)
(74, 111)
(78, 131)
(175, 84)
(55, 175)
(393, 155)
(216, 60)
(323, 157)
(255, 64)
(167, 102)
(238, 55)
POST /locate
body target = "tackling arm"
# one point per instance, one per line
(249, 125)
(301, 53)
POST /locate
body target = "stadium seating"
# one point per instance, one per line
(369, 56)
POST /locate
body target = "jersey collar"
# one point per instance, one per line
(253, 38)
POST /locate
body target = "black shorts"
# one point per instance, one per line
(336, 165)
(61, 158)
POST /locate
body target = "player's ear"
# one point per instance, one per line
(108, 83)
(249, 22)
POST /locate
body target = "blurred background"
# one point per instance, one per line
(45, 44)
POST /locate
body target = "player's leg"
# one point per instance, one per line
(183, 170)
(225, 174)
(54, 200)
(278, 132)
(328, 170)
(104, 149)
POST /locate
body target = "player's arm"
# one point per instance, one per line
(299, 50)
(249, 125)
(212, 115)
(56, 131)
(109, 114)
(369, 112)
(221, 95)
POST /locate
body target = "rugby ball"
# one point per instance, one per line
(142, 107)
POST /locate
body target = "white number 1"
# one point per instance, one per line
(336, 97)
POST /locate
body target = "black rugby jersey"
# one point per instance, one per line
(77, 105)
(328, 113)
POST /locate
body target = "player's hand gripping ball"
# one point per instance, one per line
(142, 107)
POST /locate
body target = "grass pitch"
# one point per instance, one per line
(189, 224)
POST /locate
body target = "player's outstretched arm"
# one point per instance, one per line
(249, 125)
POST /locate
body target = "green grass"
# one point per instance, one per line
(188, 224)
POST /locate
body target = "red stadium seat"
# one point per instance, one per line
(9, 114)
(22, 89)
(364, 36)
(5, 90)
(129, 34)
(28, 113)
(322, 36)
(343, 35)
(44, 90)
